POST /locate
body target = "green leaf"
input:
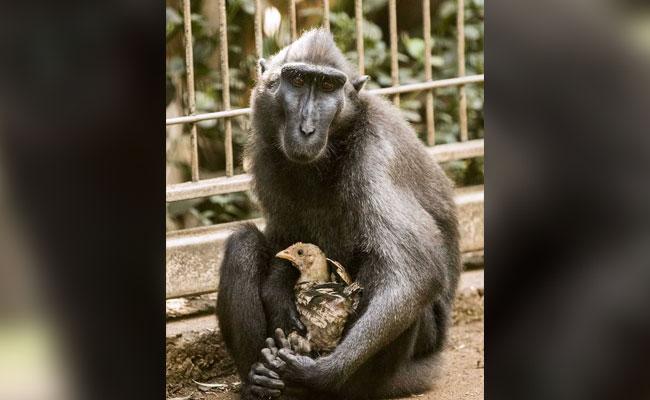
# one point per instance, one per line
(172, 17)
(437, 61)
(472, 32)
(176, 66)
(447, 9)
(414, 47)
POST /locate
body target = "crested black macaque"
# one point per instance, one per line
(338, 167)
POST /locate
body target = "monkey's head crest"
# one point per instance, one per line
(304, 91)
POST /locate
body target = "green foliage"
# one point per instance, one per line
(215, 209)
(411, 64)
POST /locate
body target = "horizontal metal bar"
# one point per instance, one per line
(240, 183)
(202, 117)
(457, 151)
(429, 85)
(193, 256)
(414, 87)
(208, 187)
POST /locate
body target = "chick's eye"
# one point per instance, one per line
(298, 80)
(327, 86)
(299, 252)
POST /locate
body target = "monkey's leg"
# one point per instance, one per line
(414, 377)
(240, 311)
(418, 374)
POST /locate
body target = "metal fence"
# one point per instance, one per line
(197, 188)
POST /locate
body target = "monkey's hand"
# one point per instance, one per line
(262, 382)
(275, 364)
(296, 371)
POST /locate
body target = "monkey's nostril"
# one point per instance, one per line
(307, 130)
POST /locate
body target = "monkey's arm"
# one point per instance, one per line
(392, 310)
(278, 298)
(404, 271)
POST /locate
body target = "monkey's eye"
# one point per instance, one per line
(298, 80)
(299, 252)
(327, 86)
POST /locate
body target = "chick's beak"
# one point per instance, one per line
(286, 255)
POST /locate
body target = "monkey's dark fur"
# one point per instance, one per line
(372, 199)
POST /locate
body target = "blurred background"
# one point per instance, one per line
(81, 189)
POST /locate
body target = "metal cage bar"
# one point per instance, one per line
(426, 28)
(292, 19)
(225, 82)
(358, 17)
(191, 99)
(259, 52)
(241, 182)
(326, 14)
(228, 184)
(394, 67)
(462, 101)
(203, 117)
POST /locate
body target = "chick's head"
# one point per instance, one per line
(310, 261)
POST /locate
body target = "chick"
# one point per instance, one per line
(323, 303)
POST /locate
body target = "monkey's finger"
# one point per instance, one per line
(272, 361)
(294, 342)
(261, 369)
(262, 391)
(268, 357)
(287, 356)
(284, 343)
(268, 383)
(299, 344)
(270, 343)
(279, 334)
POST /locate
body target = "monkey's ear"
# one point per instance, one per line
(359, 82)
(263, 64)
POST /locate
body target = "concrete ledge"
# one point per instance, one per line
(194, 255)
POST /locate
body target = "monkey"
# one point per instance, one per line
(339, 167)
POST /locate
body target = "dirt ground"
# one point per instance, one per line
(461, 378)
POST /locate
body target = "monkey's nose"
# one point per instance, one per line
(307, 129)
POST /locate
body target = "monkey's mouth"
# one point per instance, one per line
(304, 150)
(286, 256)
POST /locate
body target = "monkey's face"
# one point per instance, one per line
(311, 97)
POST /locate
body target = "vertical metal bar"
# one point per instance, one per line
(258, 35)
(462, 102)
(292, 19)
(426, 26)
(189, 69)
(394, 68)
(326, 14)
(358, 16)
(225, 81)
